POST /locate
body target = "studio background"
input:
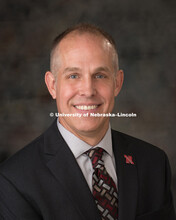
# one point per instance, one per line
(145, 33)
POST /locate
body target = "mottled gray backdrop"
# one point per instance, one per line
(145, 33)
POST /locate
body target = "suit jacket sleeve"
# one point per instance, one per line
(16, 206)
(166, 211)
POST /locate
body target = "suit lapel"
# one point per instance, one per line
(127, 177)
(64, 167)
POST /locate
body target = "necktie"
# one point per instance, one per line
(104, 188)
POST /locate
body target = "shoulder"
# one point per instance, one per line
(151, 162)
(24, 159)
(142, 150)
(29, 157)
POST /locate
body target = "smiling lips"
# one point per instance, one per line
(86, 107)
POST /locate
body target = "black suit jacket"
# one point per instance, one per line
(44, 181)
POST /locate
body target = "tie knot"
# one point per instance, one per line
(96, 157)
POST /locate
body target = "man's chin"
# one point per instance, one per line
(86, 125)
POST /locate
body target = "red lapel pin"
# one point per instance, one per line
(129, 159)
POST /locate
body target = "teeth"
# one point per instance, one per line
(86, 107)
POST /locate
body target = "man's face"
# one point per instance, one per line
(86, 83)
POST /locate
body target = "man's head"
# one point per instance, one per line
(84, 78)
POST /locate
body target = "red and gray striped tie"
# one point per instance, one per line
(103, 186)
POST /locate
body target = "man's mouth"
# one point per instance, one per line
(86, 107)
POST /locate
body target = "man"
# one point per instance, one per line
(80, 168)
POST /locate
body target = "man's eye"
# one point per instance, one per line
(73, 76)
(99, 76)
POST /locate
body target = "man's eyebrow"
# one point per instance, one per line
(71, 69)
(102, 69)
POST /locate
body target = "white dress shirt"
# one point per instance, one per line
(79, 147)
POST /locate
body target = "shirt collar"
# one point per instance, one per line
(78, 146)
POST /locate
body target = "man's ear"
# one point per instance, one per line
(118, 82)
(51, 83)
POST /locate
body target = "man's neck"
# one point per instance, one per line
(90, 137)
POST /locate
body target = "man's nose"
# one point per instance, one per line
(87, 87)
